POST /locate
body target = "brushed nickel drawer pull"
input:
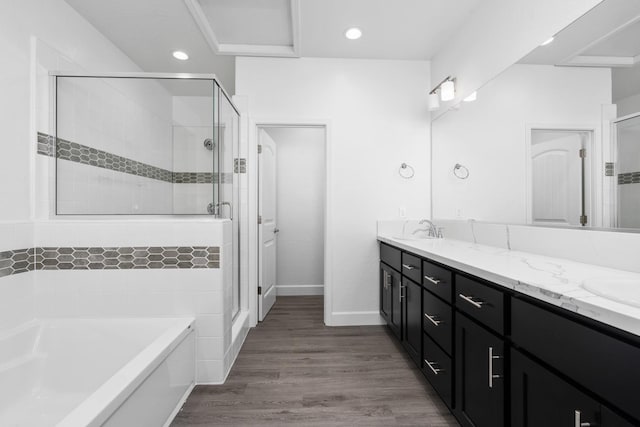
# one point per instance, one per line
(430, 365)
(477, 304)
(492, 376)
(433, 320)
(577, 419)
(432, 280)
(408, 266)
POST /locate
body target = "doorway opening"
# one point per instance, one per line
(291, 212)
(559, 175)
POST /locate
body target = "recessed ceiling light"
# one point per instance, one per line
(547, 41)
(353, 33)
(182, 56)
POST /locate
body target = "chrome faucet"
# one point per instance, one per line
(432, 230)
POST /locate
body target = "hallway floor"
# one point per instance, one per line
(293, 370)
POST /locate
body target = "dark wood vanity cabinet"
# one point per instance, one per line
(540, 398)
(499, 358)
(598, 360)
(411, 295)
(390, 302)
(480, 375)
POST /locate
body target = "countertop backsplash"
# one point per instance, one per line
(616, 249)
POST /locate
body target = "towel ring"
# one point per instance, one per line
(406, 171)
(460, 171)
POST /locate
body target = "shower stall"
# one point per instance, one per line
(146, 144)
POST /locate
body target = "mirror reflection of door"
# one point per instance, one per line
(559, 177)
(628, 171)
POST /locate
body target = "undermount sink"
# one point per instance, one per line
(625, 291)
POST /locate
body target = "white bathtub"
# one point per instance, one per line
(96, 372)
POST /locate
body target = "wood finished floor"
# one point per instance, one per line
(293, 370)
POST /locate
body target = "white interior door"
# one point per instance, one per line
(267, 229)
(558, 187)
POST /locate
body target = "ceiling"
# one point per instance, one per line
(149, 30)
(213, 32)
(606, 36)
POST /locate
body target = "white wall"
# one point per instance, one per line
(377, 116)
(300, 191)
(203, 293)
(498, 34)
(488, 136)
(626, 90)
(17, 292)
(36, 36)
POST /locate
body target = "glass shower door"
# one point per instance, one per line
(628, 171)
(229, 189)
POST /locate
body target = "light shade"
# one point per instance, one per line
(182, 56)
(434, 102)
(447, 90)
(546, 42)
(472, 97)
(353, 33)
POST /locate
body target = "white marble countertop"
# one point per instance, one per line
(557, 281)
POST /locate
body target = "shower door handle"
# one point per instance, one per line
(221, 204)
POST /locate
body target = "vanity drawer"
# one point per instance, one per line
(437, 367)
(436, 320)
(437, 279)
(391, 256)
(602, 363)
(411, 267)
(481, 302)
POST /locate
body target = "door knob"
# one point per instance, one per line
(276, 230)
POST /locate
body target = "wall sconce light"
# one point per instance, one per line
(447, 89)
(434, 101)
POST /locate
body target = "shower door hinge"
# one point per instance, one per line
(583, 153)
(609, 169)
(259, 149)
(583, 220)
(259, 219)
(259, 290)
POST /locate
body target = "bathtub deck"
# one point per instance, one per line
(293, 370)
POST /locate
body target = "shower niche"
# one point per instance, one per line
(143, 144)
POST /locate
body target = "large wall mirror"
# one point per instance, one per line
(553, 140)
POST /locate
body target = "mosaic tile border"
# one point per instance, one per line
(78, 153)
(17, 261)
(108, 258)
(629, 178)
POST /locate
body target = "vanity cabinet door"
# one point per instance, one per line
(385, 292)
(411, 295)
(390, 303)
(540, 398)
(479, 375)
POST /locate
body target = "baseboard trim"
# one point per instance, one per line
(355, 318)
(298, 290)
